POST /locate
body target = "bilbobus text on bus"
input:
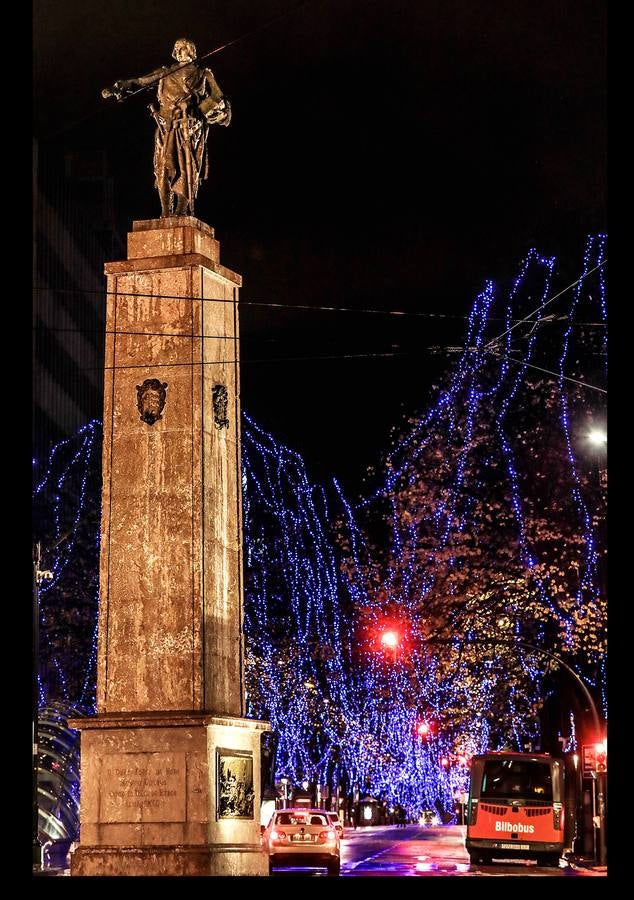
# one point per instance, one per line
(516, 807)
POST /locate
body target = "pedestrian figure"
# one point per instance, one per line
(189, 101)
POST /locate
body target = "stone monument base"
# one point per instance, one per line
(221, 859)
(173, 793)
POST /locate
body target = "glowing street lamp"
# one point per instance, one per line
(598, 437)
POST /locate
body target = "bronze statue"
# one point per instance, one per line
(189, 101)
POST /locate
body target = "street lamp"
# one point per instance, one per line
(598, 437)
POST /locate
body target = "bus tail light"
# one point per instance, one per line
(473, 812)
(557, 816)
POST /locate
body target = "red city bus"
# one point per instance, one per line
(516, 808)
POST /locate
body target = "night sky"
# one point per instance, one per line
(383, 154)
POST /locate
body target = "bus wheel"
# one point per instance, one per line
(548, 860)
(480, 856)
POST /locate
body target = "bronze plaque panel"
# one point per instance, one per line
(143, 787)
(234, 786)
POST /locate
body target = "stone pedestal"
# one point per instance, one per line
(157, 796)
(170, 768)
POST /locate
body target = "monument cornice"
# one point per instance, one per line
(167, 719)
(151, 263)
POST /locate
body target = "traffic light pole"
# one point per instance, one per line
(39, 575)
(37, 848)
(601, 784)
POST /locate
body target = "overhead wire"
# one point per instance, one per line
(320, 357)
(557, 375)
(433, 349)
(305, 307)
(227, 362)
(241, 361)
(320, 308)
(545, 303)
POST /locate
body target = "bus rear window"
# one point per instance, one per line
(517, 778)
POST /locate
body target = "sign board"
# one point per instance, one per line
(589, 758)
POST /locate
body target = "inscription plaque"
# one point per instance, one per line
(143, 787)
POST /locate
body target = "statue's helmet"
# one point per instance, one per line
(187, 45)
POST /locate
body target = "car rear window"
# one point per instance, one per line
(300, 819)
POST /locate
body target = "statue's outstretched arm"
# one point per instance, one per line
(121, 88)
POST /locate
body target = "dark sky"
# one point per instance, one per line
(384, 154)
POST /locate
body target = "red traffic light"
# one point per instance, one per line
(390, 639)
(601, 758)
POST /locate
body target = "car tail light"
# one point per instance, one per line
(330, 835)
(278, 837)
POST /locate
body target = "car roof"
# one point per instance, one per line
(302, 809)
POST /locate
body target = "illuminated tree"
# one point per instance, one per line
(495, 520)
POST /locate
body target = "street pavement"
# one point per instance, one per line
(388, 850)
(435, 851)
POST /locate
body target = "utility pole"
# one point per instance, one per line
(39, 575)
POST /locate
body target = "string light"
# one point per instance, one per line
(316, 589)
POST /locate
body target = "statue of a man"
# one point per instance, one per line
(189, 101)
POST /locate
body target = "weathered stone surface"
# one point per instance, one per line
(149, 264)
(170, 860)
(145, 785)
(170, 692)
(171, 561)
(179, 234)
